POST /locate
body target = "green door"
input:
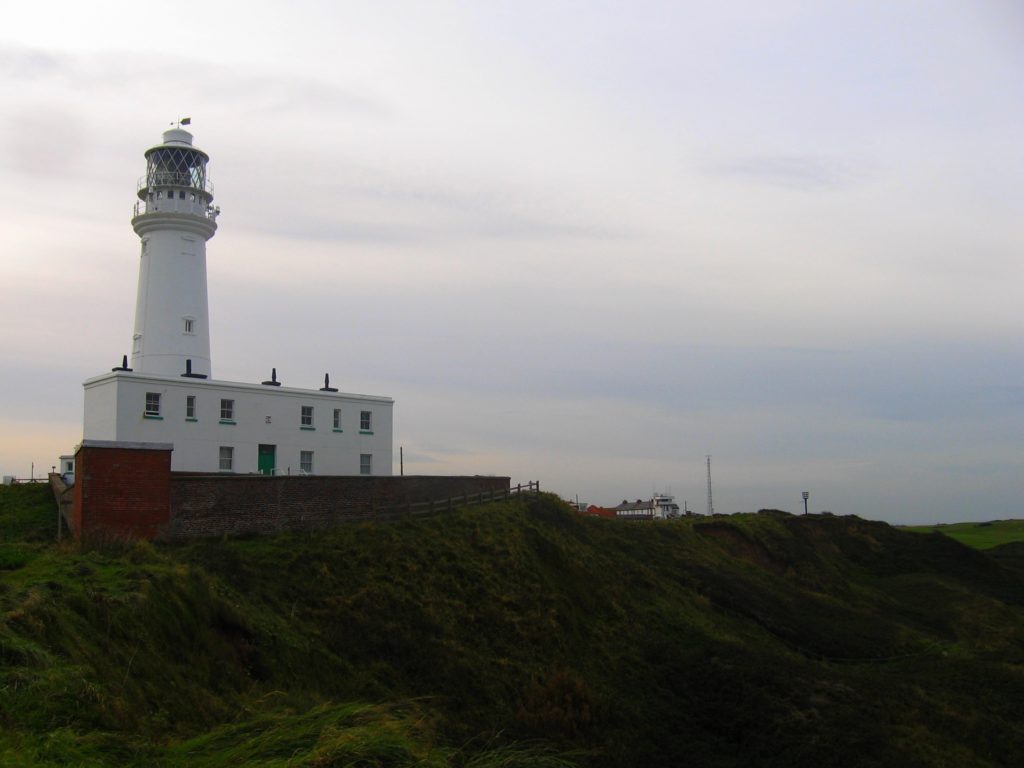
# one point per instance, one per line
(266, 459)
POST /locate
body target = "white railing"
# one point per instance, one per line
(174, 205)
(173, 179)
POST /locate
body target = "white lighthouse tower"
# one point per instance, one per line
(174, 218)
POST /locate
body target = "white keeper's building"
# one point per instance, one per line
(167, 393)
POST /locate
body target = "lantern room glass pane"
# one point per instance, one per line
(176, 167)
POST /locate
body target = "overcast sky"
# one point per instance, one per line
(582, 242)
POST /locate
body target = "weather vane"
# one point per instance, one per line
(183, 121)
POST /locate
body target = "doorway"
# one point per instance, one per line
(267, 459)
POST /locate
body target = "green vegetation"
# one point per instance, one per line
(28, 523)
(27, 513)
(978, 535)
(513, 634)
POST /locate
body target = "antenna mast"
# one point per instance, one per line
(711, 507)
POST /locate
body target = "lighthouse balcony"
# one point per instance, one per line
(195, 182)
(171, 202)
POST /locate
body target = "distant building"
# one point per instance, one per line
(67, 469)
(635, 510)
(665, 505)
(659, 507)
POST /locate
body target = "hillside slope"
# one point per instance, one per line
(514, 634)
(984, 535)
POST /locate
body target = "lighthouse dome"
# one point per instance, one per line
(177, 136)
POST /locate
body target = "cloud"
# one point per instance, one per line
(804, 172)
(28, 64)
(348, 200)
(43, 140)
(195, 81)
(424, 222)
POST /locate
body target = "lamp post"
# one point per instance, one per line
(806, 495)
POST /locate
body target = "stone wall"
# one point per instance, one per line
(127, 490)
(215, 505)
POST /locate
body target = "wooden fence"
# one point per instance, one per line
(531, 488)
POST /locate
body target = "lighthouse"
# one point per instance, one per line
(167, 395)
(174, 217)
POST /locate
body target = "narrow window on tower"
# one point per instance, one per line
(190, 325)
(337, 419)
(190, 407)
(152, 405)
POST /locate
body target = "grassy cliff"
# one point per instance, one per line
(511, 634)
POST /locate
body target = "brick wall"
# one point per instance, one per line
(213, 505)
(121, 490)
(127, 490)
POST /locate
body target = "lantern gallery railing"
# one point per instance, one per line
(174, 179)
(176, 205)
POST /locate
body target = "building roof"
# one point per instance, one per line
(634, 506)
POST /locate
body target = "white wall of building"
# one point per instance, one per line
(100, 411)
(115, 405)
